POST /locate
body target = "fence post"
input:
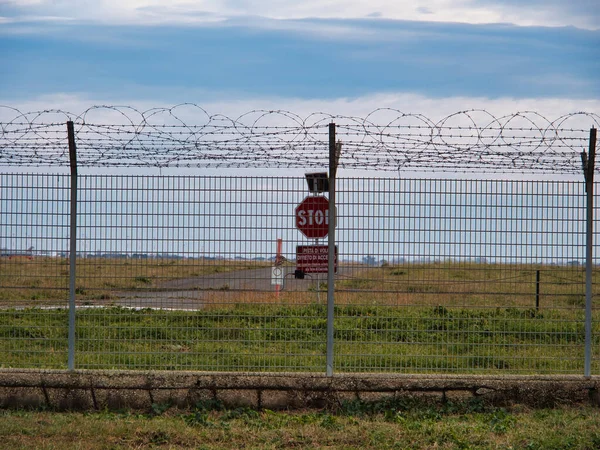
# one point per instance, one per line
(588, 172)
(537, 290)
(331, 248)
(72, 245)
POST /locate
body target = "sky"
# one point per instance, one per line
(342, 57)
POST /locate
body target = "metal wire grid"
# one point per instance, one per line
(443, 276)
(193, 256)
(34, 270)
(462, 276)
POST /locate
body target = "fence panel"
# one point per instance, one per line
(184, 265)
(34, 270)
(462, 276)
(178, 273)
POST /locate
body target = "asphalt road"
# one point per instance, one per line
(194, 293)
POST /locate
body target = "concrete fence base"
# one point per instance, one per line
(98, 390)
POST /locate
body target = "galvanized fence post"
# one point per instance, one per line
(331, 248)
(588, 172)
(72, 245)
(537, 290)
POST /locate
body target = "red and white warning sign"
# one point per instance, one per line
(312, 217)
(314, 258)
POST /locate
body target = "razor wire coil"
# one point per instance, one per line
(386, 139)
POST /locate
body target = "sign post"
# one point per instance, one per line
(277, 270)
(312, 219)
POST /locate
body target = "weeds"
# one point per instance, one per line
(406, 423)
(501, 421)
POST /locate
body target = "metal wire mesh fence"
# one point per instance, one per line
(210, 273)
(34, 273)
(462, 276)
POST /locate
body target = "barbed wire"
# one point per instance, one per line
(386, 139)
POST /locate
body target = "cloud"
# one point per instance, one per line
(352, 59)
(577, 13)
(434, 108)
(424, 10)
(580, 13)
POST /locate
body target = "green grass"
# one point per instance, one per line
(396, 424)
(292, 338)
(413, 318)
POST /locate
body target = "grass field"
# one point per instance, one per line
(282, 338)
(386, 425)
(428, 318)
(45, 281)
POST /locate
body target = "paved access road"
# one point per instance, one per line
(194, 293)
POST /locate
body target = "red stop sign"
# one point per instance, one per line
(312, 217)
